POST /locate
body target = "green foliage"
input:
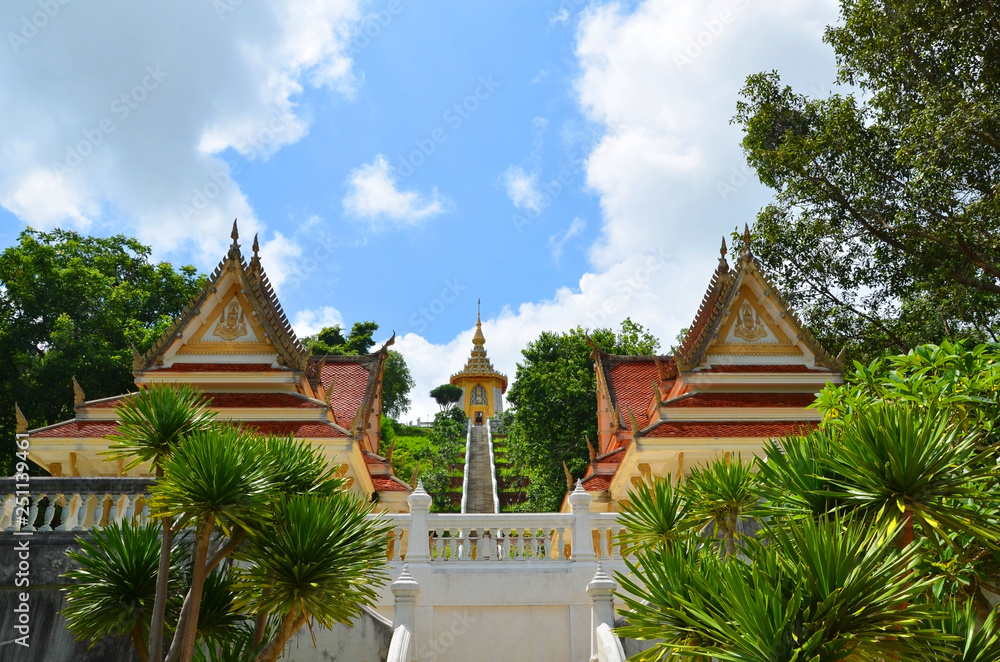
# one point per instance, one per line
(721, 494)
(554, 396)
(154, 420)
(397, 382)
(331, 340)
(879, 530)
(74, 305)
(317, 548)
(218, 474)
(446, 395)
(116, 582)
(654, 516)
(884, 227)
(306, 547)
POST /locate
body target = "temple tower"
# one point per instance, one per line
(482, 386)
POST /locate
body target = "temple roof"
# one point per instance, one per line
(720, 307)
(479, 364)
(265, 309)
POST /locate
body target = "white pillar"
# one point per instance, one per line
(583, 540)
(404, 615)
(601, 590)
(404, 604)
(418, 550)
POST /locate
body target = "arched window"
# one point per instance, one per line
(478, 396)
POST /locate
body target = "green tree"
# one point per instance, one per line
(397, 382)
(306, 547)
(885, 230)
(554, 401)
(331, 340)
(73, 305)
(446, 395)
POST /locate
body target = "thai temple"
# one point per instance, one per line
(475, 584)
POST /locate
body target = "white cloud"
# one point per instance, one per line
(373, 196)
(310, 322)
(661, 169)
(558, 240)
(560, 16)
(522, 189)
(119, 122)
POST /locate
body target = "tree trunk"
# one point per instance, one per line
(140, 645)
(289, 626)
(182, 647)
(162, 584)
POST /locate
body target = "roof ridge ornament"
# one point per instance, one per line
(746, 239)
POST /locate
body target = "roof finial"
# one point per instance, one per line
(22, 422)
(479, 312)
(746, 237)
(256, 244)
(723, 250)
(236, 231)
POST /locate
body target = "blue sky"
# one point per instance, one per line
(566, 162)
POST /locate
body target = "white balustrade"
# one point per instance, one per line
(72, 503)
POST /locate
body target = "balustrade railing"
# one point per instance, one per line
(72, 503)
(514, 537)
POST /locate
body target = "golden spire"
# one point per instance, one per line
(479, 339)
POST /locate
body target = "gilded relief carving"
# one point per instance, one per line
(233, 324)
(748, 324)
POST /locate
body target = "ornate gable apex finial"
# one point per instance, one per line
(78, 395)
(22, 422)
(235, 234)
(746, 239)
(255, 260)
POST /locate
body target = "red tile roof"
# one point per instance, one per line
(372, 459)
(760, 368)
(708, 429)
(742, 400)
(92, 429)
(389, 484)
(597, 483)
(77, 430)
(220, 367)
(632, 384)
(311, 429)
(236, 401)
(349, 383)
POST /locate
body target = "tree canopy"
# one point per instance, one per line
(554, 401)
(397, 382)
(885, 229)
(446, 395)
(73, 305)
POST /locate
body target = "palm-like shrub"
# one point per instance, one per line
(116, 583)
(323, 560)
(154, 420)
(721, 494)
(822, 591)
(794, 477)
(898, 463)
(654, 516)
